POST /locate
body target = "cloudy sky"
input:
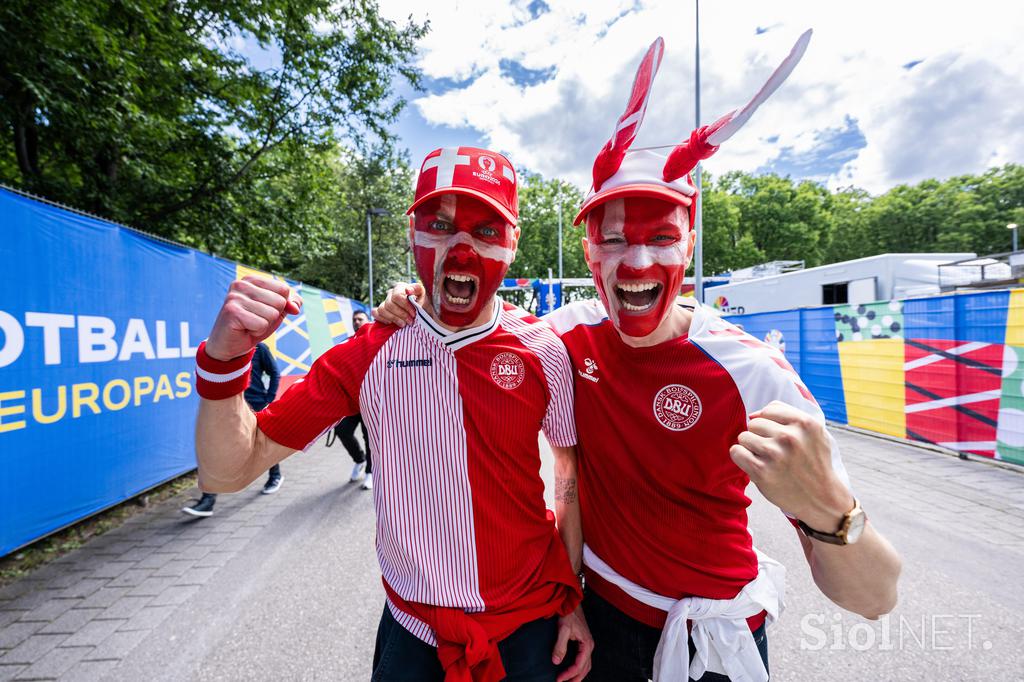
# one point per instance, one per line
(888, 92)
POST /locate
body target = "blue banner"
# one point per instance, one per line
(549, 296)
(99, 326)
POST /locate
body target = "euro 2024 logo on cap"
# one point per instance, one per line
(488, 165)
(508, 370)
(677, 407)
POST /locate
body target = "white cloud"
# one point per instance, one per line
(958, 111)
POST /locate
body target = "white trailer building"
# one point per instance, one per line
(876, 278)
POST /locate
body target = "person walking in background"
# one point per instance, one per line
(346, 430)
(258, 395)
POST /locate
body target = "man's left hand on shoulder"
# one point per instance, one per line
(788, 455)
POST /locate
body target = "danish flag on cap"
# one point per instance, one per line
(480, 173)
(619, 171)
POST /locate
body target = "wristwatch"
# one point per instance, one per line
(850, 528)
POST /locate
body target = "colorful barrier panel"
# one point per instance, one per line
(98, 328)
(946, 370)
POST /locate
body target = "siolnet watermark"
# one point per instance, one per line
(935, 632)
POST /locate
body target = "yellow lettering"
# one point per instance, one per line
(143, 386)
(184, 382)
(163, 388)
(12, 410)
(126, 391)
(37, 406)
(84, 394)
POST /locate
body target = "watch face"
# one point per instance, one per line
(857, 522)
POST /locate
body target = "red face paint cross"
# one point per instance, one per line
(638, 250)
(463, 248)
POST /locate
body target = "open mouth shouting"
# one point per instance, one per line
(460, 290)
(638, 296)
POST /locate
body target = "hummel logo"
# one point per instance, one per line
(425, 362)
(589, 373)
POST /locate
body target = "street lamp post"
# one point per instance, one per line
(1013, 226)
(370, 212)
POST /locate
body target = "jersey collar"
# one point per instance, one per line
(702, 316)
(463, 337)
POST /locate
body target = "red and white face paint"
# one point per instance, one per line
(463, 248)
(638, 253)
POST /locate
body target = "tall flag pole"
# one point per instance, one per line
(698, 252)
(560, 273)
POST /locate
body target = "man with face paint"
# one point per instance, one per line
(478, 581)
(677, 412)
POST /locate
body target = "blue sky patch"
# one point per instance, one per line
(537, 8)
(439, 86)
(834, 147)
(524, 77)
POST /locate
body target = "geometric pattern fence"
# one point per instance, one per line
(947, 370)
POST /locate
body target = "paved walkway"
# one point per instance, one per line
(287, 587)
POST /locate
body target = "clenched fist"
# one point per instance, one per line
(788, 456)
(252, 311)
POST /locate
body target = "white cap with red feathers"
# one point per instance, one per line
(619, 171)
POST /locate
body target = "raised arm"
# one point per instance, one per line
(788, 454)
(231, 451)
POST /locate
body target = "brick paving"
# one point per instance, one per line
(286, 586)
(81, 615)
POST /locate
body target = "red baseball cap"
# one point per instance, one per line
(480, 173)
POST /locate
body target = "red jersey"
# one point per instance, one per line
(453, 420)
(662, 502)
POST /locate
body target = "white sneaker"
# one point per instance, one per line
(272, 485)
(357, 471)
(367, 482)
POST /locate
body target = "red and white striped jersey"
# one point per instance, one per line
(453, 420)
(661, 500)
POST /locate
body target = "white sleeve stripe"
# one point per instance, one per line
(221, 378)
(760, 380)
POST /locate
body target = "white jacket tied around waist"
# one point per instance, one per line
(721, 636)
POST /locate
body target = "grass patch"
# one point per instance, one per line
(27, 559)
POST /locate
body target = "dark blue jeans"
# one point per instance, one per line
(400, 656)
(624, 648)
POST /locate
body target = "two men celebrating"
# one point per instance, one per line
(672, 411)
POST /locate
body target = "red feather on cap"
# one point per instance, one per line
(685, 157)
(614, 150)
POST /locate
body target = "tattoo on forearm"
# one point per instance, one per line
(565, 490)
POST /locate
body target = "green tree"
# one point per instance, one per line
(851, 232)
(726, 245)
(539, 200)
(786, 221)
(355, 184)
(149, 113)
